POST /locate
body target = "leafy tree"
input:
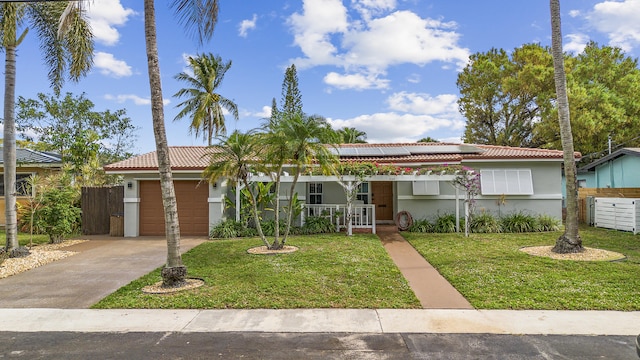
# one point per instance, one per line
(604, 100)
(70, 127)
(199, 16)
(428, 139)
(500, 95)
(350, 135)
(570, 241)
(67, 45)
(203, 104)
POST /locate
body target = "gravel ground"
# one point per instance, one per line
(40, 255)
(589, 254)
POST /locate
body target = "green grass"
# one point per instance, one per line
(328, 271)
(24, 239)
(490, 271)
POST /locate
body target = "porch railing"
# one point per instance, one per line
(363, 216)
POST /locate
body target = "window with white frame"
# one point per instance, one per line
(506, 181)
(428, 187)
(315, 193)
(363, 193)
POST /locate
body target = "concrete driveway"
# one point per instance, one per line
(103, 264)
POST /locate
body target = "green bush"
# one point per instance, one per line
(548, 223)
(447, 224)
(225, 229)
(421, 226)
(519, 222)
(485, 223)
(317, 225)
(59, 216)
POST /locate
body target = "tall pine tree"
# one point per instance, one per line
(291, 97)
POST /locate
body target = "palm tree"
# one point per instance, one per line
(299, 141)
(203, 103)
(201, 16)
(234, 158)
(350, 135)
(569, 241)
(67, 43)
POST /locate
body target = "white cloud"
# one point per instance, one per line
(104, 16)
(620, 20)
(246, 25)
(111, 66)
(576, 43)
(264, 113)
(135, 98)
(417, 103)
(312, 30)
(412, 117)
(355, 81)
(382, 37)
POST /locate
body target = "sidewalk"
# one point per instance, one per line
(541, 322)
(431, 288)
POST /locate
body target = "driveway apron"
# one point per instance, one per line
(102, 265)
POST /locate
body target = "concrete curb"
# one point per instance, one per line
(541, 322)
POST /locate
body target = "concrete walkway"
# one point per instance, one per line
(370, 321)
(431, 288)
(102, 266)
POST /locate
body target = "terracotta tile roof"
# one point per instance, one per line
(195, 157)
(181, 157)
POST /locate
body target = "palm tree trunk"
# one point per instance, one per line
(174, 272)
(570, 241)
(9, 148)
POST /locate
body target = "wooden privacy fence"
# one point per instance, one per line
(99, 204)
(583, 193)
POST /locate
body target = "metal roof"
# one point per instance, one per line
(28, 156)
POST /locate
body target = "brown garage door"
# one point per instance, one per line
(193, 208)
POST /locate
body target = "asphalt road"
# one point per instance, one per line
(247, 345)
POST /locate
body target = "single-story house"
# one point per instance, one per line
(620, 169)
(512, 179)
(28, 162)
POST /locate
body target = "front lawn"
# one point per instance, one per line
(25, 239)
(490, 271)
(328, 271)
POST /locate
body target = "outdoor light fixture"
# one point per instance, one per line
(215, 185)
(129, 185)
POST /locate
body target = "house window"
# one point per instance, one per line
(429, 187)
(582, 183)
(22, 185)
(315, 193)
(362, 193)
(506, 181)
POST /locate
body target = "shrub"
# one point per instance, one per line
(548, 223)
(225, 229)
(447, 224)
(519, 222)
(317, 225)
(485, 223)
(59, 215)
(421, 226)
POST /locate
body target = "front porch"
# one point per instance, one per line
(363, 216)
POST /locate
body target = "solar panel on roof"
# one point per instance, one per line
(347, 151)
(369, 151)
(395, 151)
(443, 149)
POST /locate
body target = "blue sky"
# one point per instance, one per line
(386, 67)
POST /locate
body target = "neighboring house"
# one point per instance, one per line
(28, 162)
(513, 179)
(620, 169)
